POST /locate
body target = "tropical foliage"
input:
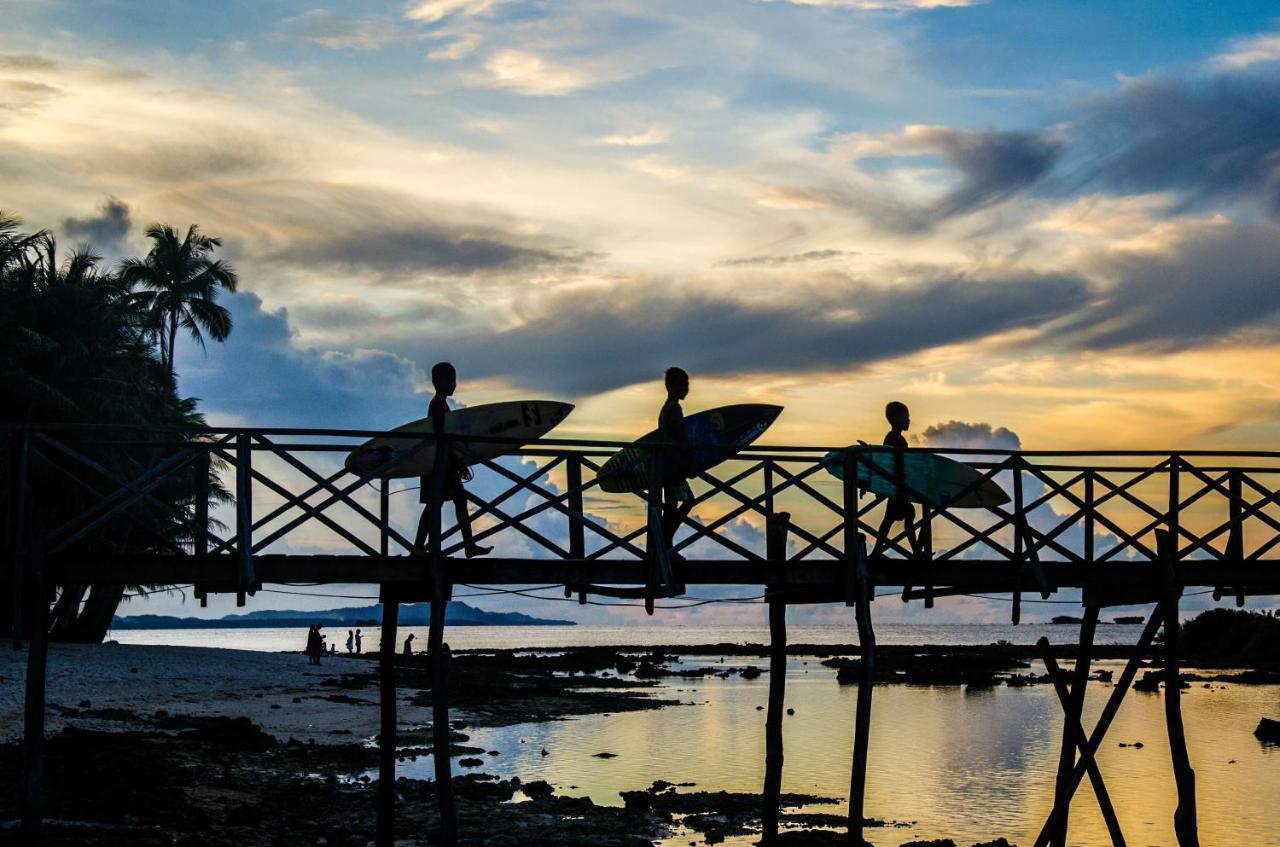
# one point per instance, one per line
(78, 346)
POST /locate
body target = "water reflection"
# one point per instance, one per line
(964, 765)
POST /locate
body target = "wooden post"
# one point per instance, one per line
(849, 489)
(866, 682)
(1072, 710)
(1088, 518)
(244, 516)
(1184, 816)
(21, 448)
(438, 657)
(387, 698)
(776, 542)
(1075, 736)
(32, 824)
(577, 532)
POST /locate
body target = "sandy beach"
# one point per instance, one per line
(281, 692)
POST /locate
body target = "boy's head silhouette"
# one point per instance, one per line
(677, 381)
(898, 415)
(444, 378)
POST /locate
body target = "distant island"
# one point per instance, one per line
(411, 614)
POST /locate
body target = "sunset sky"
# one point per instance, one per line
(1059, 218)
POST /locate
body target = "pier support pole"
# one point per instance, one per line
(866, 682)
(32, 825)
(438, 658)
(1185, 827)
(1072, 710)
(776, 542)
(387, 697)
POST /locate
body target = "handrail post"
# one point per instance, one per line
(1235, 537)
(1019, 521)
(1089, 517)
(200, 533)
(244, 516)
(577, 531)
(384, 517)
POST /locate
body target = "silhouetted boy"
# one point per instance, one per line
(677, 499)
(445, 381)
(359, 642)
(408, 645)
(899, 508)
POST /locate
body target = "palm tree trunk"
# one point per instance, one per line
(173, 337)
(94, 620)
(64, 612)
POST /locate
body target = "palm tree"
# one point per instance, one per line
(179, 281)
(75, 347)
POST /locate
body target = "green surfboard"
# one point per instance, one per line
(943, 482)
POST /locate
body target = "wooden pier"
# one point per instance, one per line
(1121, 528)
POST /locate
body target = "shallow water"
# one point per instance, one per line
(967, 766)
(538, 637)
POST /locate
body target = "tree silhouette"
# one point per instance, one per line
(177, 286)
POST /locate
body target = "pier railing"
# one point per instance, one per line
(282, 495)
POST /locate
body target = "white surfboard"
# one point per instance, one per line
(395, 457)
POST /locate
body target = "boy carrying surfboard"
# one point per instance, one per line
(677, 499)
(898, 508)
(444, 378)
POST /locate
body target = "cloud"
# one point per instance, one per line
(971, 436)
(460, 47)
(1212, 282)
(529, 73)
(1210, 140)
(323, 27)
(586, 340)
(105, 230)
(792, 259)
(993, 165)
(1244, 53)
(648, 138)
(22, 95)
(433, 11)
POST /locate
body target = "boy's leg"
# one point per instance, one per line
(463, 516)
(424, 527)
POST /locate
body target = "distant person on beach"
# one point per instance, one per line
(314, 645)
(408, 645)
(359, 639)
(898, 508)
(677, 499)
(351, 641)
(444, 378)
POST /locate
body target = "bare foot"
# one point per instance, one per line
(476, 550)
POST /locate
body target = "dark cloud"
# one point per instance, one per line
(261, 376)
(993, 166)
(1207, 139)
(971, 436)
(579, 342)
(398, 249)
(1221, 279)
(792, 259)
(105, 230)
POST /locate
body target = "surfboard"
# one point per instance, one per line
(717, 433)
(394, 456)
(939, 479)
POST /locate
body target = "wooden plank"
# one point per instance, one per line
(244, 518)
